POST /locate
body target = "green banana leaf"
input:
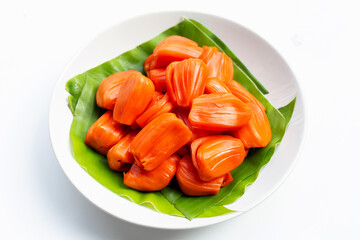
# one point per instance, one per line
(83, 87)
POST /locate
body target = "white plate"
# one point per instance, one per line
(262, 60)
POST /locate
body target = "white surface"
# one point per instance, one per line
(320, 199)
(254, 51)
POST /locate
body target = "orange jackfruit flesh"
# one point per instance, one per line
(182, 114)
(164, 105)
(208, 53)
(158, 76)
(190, 182)
(172, 48)
(155, 98)
(214, 85)
(119, 154)
(215, 156)
(185, 81)
(177, 39)
(218, 63)
(105, 133)
(135, 95)
(244, 95)
(227, 179)
(153, 180)
(219, 111)
(207, 103)
(158, 140)
(257, 132)
(108, 90)
(174, 51)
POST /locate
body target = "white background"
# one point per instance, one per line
(320, 41)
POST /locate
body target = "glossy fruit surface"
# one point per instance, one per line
(219, 112)
(135, 95)
(185, 81)
(257, 132)
(218, 63)
(105, 133)
(244, 95)
(158, 140)
(153, 180)
(214, 156)
(108, 90)
(214, 85)
(119, 154)
(190, 182)
(163, 105)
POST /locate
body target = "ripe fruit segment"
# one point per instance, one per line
(214, 156)
(119, 154)
(227, 179)
(135, 95)
(174, 51)
(155, 98)
(185, 81)
(163, 105)
(244, 95)
(218, 63)
(158, 76)
(176, 39)
(182, 114)
(170, 49)
(158, 140)
(219, 112)
(153, 180)
(214, 85)
(108, 90)
(257, 132)
(190, 183)
(105, 133)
